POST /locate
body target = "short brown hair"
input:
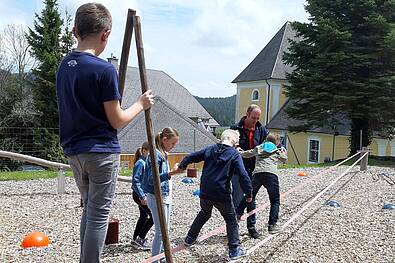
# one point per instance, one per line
(274, 138)
(92, 18)
(252, 107)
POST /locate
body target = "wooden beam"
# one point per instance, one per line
(151, 142)
(127, 39)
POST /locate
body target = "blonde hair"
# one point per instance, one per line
(139, 152)
(274, 138)
(168, 133)
(230, 135)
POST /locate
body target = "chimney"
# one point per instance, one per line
(113, 60)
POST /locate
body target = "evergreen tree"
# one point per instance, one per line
(45, 41)
(67, 39)
(221, 109)
(344, 67)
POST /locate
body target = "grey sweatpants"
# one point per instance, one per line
(95, 175)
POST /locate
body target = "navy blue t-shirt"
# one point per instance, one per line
(83, 83)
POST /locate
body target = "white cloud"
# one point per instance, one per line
(202, 44)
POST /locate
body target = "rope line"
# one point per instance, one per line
(222, 228)
(297, 214)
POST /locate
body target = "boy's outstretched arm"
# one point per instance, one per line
(195, 157)
(119, 118)
(249, 153)
(244, 179)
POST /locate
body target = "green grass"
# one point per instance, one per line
(27, 175)
(48, 174)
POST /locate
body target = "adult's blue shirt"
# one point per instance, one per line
(83, 83)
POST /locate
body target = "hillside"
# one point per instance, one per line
(222, 109)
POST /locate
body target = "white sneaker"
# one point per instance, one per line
(140, 243)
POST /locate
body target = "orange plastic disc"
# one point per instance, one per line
(35, 239)
(301, 173)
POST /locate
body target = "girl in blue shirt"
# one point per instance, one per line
(165, 141)
(145, 221)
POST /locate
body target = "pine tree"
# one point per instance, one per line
(67, 39)
(344, 67)
(48, 46)
(45, 41)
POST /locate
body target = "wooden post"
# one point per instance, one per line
(151, 142)
(127, 39)
(61, 181)
(364, 161)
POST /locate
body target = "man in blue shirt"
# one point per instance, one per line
(89, 116)
(252, 133)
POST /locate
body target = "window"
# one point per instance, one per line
(314, 151)
(255, 95)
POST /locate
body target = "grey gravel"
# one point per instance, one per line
(359, 231)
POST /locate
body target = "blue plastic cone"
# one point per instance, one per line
(333, 203)
(389, 206)
(187, 180)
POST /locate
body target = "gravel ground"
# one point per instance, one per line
(359, 231)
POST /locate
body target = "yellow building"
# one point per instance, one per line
(263, 82)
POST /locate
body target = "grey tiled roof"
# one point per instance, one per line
(268, 64)
(166, 87)
(282, 121)
(163, 115)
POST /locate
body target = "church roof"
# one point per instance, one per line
(268, 64)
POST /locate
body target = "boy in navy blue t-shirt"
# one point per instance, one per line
(221, 161)
(89, 116)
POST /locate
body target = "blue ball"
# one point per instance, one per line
(187, 180)
(389, 206)
(333, 203)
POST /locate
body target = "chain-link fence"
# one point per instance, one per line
(37, 142)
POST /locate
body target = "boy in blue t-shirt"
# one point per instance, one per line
(89, 116)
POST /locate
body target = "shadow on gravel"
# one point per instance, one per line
(293, 233)
(119, 249)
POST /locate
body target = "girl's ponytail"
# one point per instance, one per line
(137, 155)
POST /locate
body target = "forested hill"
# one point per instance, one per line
(221, 109)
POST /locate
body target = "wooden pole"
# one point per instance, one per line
(365, 159)
(151, 140)
(127, 39)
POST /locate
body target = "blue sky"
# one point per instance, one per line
(202, 44)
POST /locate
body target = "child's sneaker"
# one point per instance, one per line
(237, 253)
(274, 229)
(141, 243)
(253, 233)
(189, 241)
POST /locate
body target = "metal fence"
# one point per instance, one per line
(37, 142)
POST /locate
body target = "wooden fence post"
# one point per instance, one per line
(61, 181)
(364, 161)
